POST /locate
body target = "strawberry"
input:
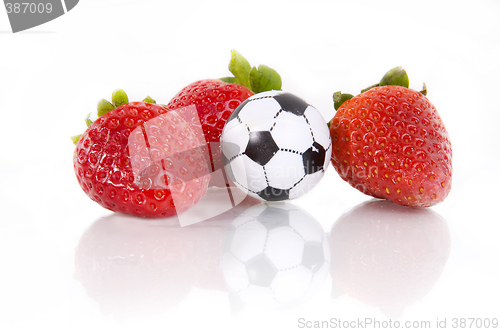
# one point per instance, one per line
(216, 99)
(140, 159)
(389, 142)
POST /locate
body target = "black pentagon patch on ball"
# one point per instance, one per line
(313, 257)
(272, 218)
(261, 271)
(237, 110)
(314, 158)
(274, 194)
(291, 103)
(261, 147)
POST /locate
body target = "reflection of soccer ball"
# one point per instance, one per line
(275, 257)
(276, 146)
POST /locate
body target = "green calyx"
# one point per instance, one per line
(75, 138)
(240, 68)
(264, 78)
(118, 98)
(395, 76)
(150, 100)
(104, 106)
(229, 80)
(339, 98)
(257, 79)
(88, 122)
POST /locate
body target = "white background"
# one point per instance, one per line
(52, 75)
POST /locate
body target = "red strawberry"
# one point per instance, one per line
(389, 142)
(141, 159)
(216, 99)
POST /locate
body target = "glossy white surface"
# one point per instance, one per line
(69, 265)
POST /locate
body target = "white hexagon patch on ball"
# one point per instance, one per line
(275, 256)
(276, 146)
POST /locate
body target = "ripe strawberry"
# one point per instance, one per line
(216, 99)
(389, 142)
(141, 159)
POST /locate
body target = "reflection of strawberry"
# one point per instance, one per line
(131, 266)
(215, 99)
(390, 142)
(140, 159)
(388, 256)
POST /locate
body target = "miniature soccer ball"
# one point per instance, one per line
(275, 256)
(276, 146)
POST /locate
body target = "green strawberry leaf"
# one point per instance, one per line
(119, 98)
(371, 86)
(104, 106)
(150, 100)
(240, 68)
(264, 78)
(424, 90)
(88, 122)
(258, 79)
(229, 80)
(339, 98)
(75, 139)
(395, 76)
